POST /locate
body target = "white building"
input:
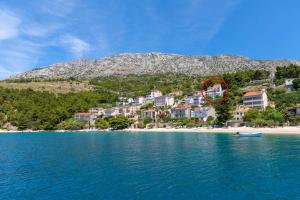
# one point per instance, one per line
(181, 111)
(164, 101)
(289, 84)
(214, 91)
(203, 113)
(123, 101)
(256, 99)
(128, 110)
(151, 113)
(195, 100)
(83, 116)
(153, 94)
(97, 111)
(130, 100)
(139, 100)
(111, 112)
(239, 113)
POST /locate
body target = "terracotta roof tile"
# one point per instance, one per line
(252, 93)
(215, 86)
(84, 114)
(182, 107)
(242, 110)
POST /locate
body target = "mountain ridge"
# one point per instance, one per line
(151, 63)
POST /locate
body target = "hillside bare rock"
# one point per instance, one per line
(151, 63)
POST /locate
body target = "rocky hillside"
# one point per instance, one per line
(151, 63)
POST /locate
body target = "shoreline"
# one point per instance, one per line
(278, 130)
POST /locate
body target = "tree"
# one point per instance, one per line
(147, 106)
(209, 120)
(284, 100)
(102, 124)
(269, 117)
(72, 124)
(118, 122)
(2, 119)
(273, 116)
(223, 112)
(260, 74)
(291, 71)
(147, 120)
(296, 83)
(252, 115)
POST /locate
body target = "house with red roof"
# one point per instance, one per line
(181, 111)
(164, 101)
(83, 116)
(214, 91)
(195, 100)
(239, 113)
(151, 113)
(203, 113)
(256, 99)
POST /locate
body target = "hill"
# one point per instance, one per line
(151, 63)
(50, 86)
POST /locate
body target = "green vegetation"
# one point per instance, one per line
(40, 109)
(284, 100)
(223, 112)
(269, 117)
(3, 119)
(296, 84)
(50, 86)
(291, 71)
(191, 122)
(133, 85)
(185, 122)
(243, 78)
(147, 120)
(102, 124)
(113, 122)
(118, 122)
(72, 124)
(28, 109)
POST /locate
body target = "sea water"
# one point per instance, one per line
(124, 165)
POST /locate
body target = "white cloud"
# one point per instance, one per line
(38, 30)
(9, 24)
(59, 8)
(74, 45)
(18, 56)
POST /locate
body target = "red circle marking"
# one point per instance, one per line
(215, 79)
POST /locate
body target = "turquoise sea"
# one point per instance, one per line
(119, 165)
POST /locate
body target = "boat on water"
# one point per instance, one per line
(243, 134)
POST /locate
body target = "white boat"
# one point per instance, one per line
(257, 134)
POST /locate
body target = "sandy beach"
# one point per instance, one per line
(278, 130)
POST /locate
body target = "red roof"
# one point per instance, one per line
(216, 86)
(252, 93)
(84, 114)
(242, 110)
(182, 107)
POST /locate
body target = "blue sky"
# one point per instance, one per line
(37, 33)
